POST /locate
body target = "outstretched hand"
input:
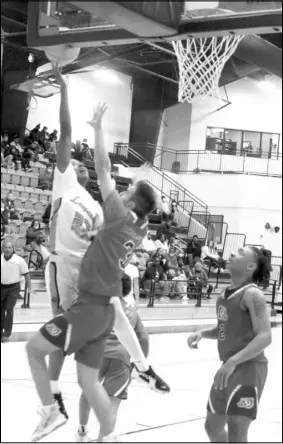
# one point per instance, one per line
(57, 72)
(98, 113)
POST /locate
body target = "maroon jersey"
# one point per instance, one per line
(111, 250)
(235, 329)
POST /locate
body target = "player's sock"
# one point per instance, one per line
(60, 403)
(142, 366)
(51, 419)
(54, 385)
(151, 380)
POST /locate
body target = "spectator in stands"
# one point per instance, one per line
(154, 275)
(13, 268)
(33, 232)
(209, 251)
(16, 143)
(165, 228)
(162, 243)
(16, 156)
(27, 158)
(7, 162)
(43, 137)
(193, 252)
(4, 214)
(38, 244)
(53, 136)
(34, 134)
(163, 208)
(202, 279)
(179, 289)
(9, 207)
(148, 244)
(174, 212)
(143, 258)
(4, 141)
(171, 259)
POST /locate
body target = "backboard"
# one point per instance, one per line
(98, 24)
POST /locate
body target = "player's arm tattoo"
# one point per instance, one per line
(210, 333)
(255, 304)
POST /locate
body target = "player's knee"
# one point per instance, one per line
(32, 348)
(214, 426)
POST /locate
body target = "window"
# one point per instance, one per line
(240, 142)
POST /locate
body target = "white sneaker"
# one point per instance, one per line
(49, 422)
(82, 437)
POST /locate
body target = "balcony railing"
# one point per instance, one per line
(206, 161)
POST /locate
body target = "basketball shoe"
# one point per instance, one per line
(150, 379)
(51, 419)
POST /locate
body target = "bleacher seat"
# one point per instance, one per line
(20, 241)
(39, 206)
(25, 180)
(18, 203)
(27, 214)
(6, 177)
(37, 215)
(23, 228)
(28, 205)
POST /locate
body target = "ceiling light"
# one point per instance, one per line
(266, 85)
(31, 57)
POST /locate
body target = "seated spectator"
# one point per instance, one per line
(193, 252)
(9, 207)
(174, 213)
(180, 285)
(16, 156)
(53, 137)
(16, 144)
(38, 244)
(162, 243)
(7, 162)
(13, 268)
(148, 244)
(202, 279)
(43, 137)
(163, 208)
(34, 133)
(171, 259)
(154, 275)
(5, 141)
(4, 214)
(143, 258)
(209, 251)
(33, 232)
(165, 228)
(27, 158)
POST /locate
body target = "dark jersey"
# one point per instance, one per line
(111, 250)
(235, 329)
(113, 348)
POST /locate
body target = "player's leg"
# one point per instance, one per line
(244, 391)
(215, 427)
(37, 349)
(61, 283)
(216, 416)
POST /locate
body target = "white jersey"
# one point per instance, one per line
(73, 210)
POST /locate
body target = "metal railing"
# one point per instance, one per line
(207, 161)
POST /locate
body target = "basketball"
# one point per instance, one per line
(62, 54)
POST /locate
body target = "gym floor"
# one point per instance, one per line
(146, 416)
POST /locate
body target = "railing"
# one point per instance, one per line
(197, 161)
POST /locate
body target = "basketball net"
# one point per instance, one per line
(200, 62)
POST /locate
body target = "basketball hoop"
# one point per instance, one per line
(200, 62)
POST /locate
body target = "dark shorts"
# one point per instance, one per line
(82, 330)
(244, 390)
(115, 375)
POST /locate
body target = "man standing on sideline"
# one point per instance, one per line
(243, 333)
(13, 267)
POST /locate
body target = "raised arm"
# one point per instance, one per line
(63, 156)
(101, 157)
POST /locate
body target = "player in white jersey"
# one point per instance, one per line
(74, 216)
(75, 219)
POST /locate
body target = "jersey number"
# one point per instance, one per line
(124, 262)
(221, 332)
(80, 224)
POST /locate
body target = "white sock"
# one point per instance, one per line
(47, 408)
(54, 385)
(82, 430)
(142, 366)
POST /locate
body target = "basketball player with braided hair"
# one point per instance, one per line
(243, 332)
